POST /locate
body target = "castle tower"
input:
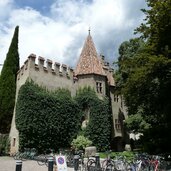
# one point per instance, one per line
(89, 70)
(89, 62)
(93, 71)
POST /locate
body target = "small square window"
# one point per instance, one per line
(99, 87)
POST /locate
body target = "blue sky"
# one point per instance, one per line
(39, 5)
(57, 29)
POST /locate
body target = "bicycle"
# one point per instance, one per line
(82, 165)
(139, 163)
(27, 154)
(42, 159)
(117, 164)
(107, 161)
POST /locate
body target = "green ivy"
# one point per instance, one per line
(46, 119)
(99, 126)
(53, 119)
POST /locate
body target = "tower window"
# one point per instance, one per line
(14, 141)
(99, 87)
(117, 124)
(116, 98)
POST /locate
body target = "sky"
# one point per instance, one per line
(57, 29)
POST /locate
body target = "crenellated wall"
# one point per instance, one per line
(47, 66)
(46, 74)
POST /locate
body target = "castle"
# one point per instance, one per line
(91, 70)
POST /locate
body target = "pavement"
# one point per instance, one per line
(9, 164)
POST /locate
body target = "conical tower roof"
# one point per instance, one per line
(89, 63)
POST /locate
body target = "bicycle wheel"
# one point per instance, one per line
(23, 156)
(41, 160)
(152, 167)
(70, 160)
(110, 167)
(129, 167)
(91, 165)
(122, 166)
(15, 156)
(104, 164)
(82, 167)
(144, 167)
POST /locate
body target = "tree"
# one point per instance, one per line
(127, 51)
(157, 26)
(146, 86)
(8, 84)
(147, 97)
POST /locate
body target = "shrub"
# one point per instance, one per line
(81, 142)
(4, 144)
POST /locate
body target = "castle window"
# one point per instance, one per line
(116, 98)
(14, 141)
(117, 124)
(99, 87)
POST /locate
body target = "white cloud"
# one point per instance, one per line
(5, 6)
(60, 35)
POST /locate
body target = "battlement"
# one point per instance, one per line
(45, 66)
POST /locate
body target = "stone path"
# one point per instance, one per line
(9, 164)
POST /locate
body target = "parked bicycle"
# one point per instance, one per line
(42, 159)
(28, 153)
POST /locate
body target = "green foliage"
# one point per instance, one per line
(99, 116)
(136, 123)
(146, 90)
(157, 26)
(4, 144)
(46, 119)
(126, 154)
(145, 78)
(81, 142)
(127, 51)
(8, 84)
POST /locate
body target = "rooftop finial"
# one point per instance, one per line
(89, 31)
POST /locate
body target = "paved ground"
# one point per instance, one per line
(9, 164)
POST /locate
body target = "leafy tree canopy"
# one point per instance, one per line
(145, 76)
(157, 26)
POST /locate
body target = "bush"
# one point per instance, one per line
(4, 144)
(81, 142)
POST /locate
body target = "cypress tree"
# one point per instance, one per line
(8, 84)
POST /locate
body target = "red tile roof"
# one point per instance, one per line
(89, 63)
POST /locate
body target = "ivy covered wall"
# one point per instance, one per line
(99, 126)
(53, 119)
(46, 119)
